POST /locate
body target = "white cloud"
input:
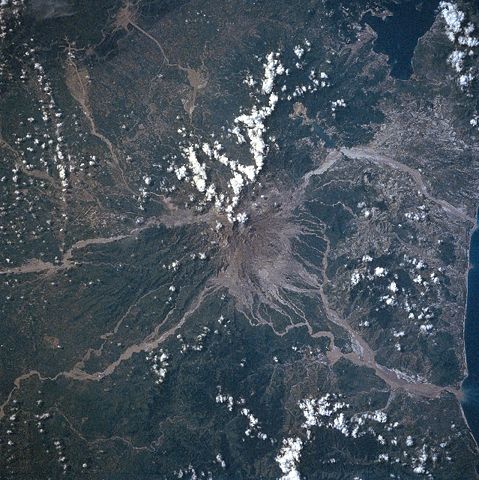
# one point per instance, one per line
(456, 60)
(180, 172)
(198, 169)
(249, 127)
(236, 183)
(272, 67)
(289, 457)
(298, 51)
(465, 80)
(453, 18)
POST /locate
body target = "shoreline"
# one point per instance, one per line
(471, 267)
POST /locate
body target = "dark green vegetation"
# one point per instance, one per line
(144, 336)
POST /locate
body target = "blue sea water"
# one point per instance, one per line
(397, 35)
(470, 385)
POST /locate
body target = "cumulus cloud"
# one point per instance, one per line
(197, 169)
(298, 51)
(461, 34)
(272, 68)
(453, 18)
(289, 457)
(456, 60)
(249, 129)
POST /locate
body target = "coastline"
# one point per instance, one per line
(470, 385)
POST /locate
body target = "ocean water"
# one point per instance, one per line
(397, 37)
(470, 385)
(399, 33)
